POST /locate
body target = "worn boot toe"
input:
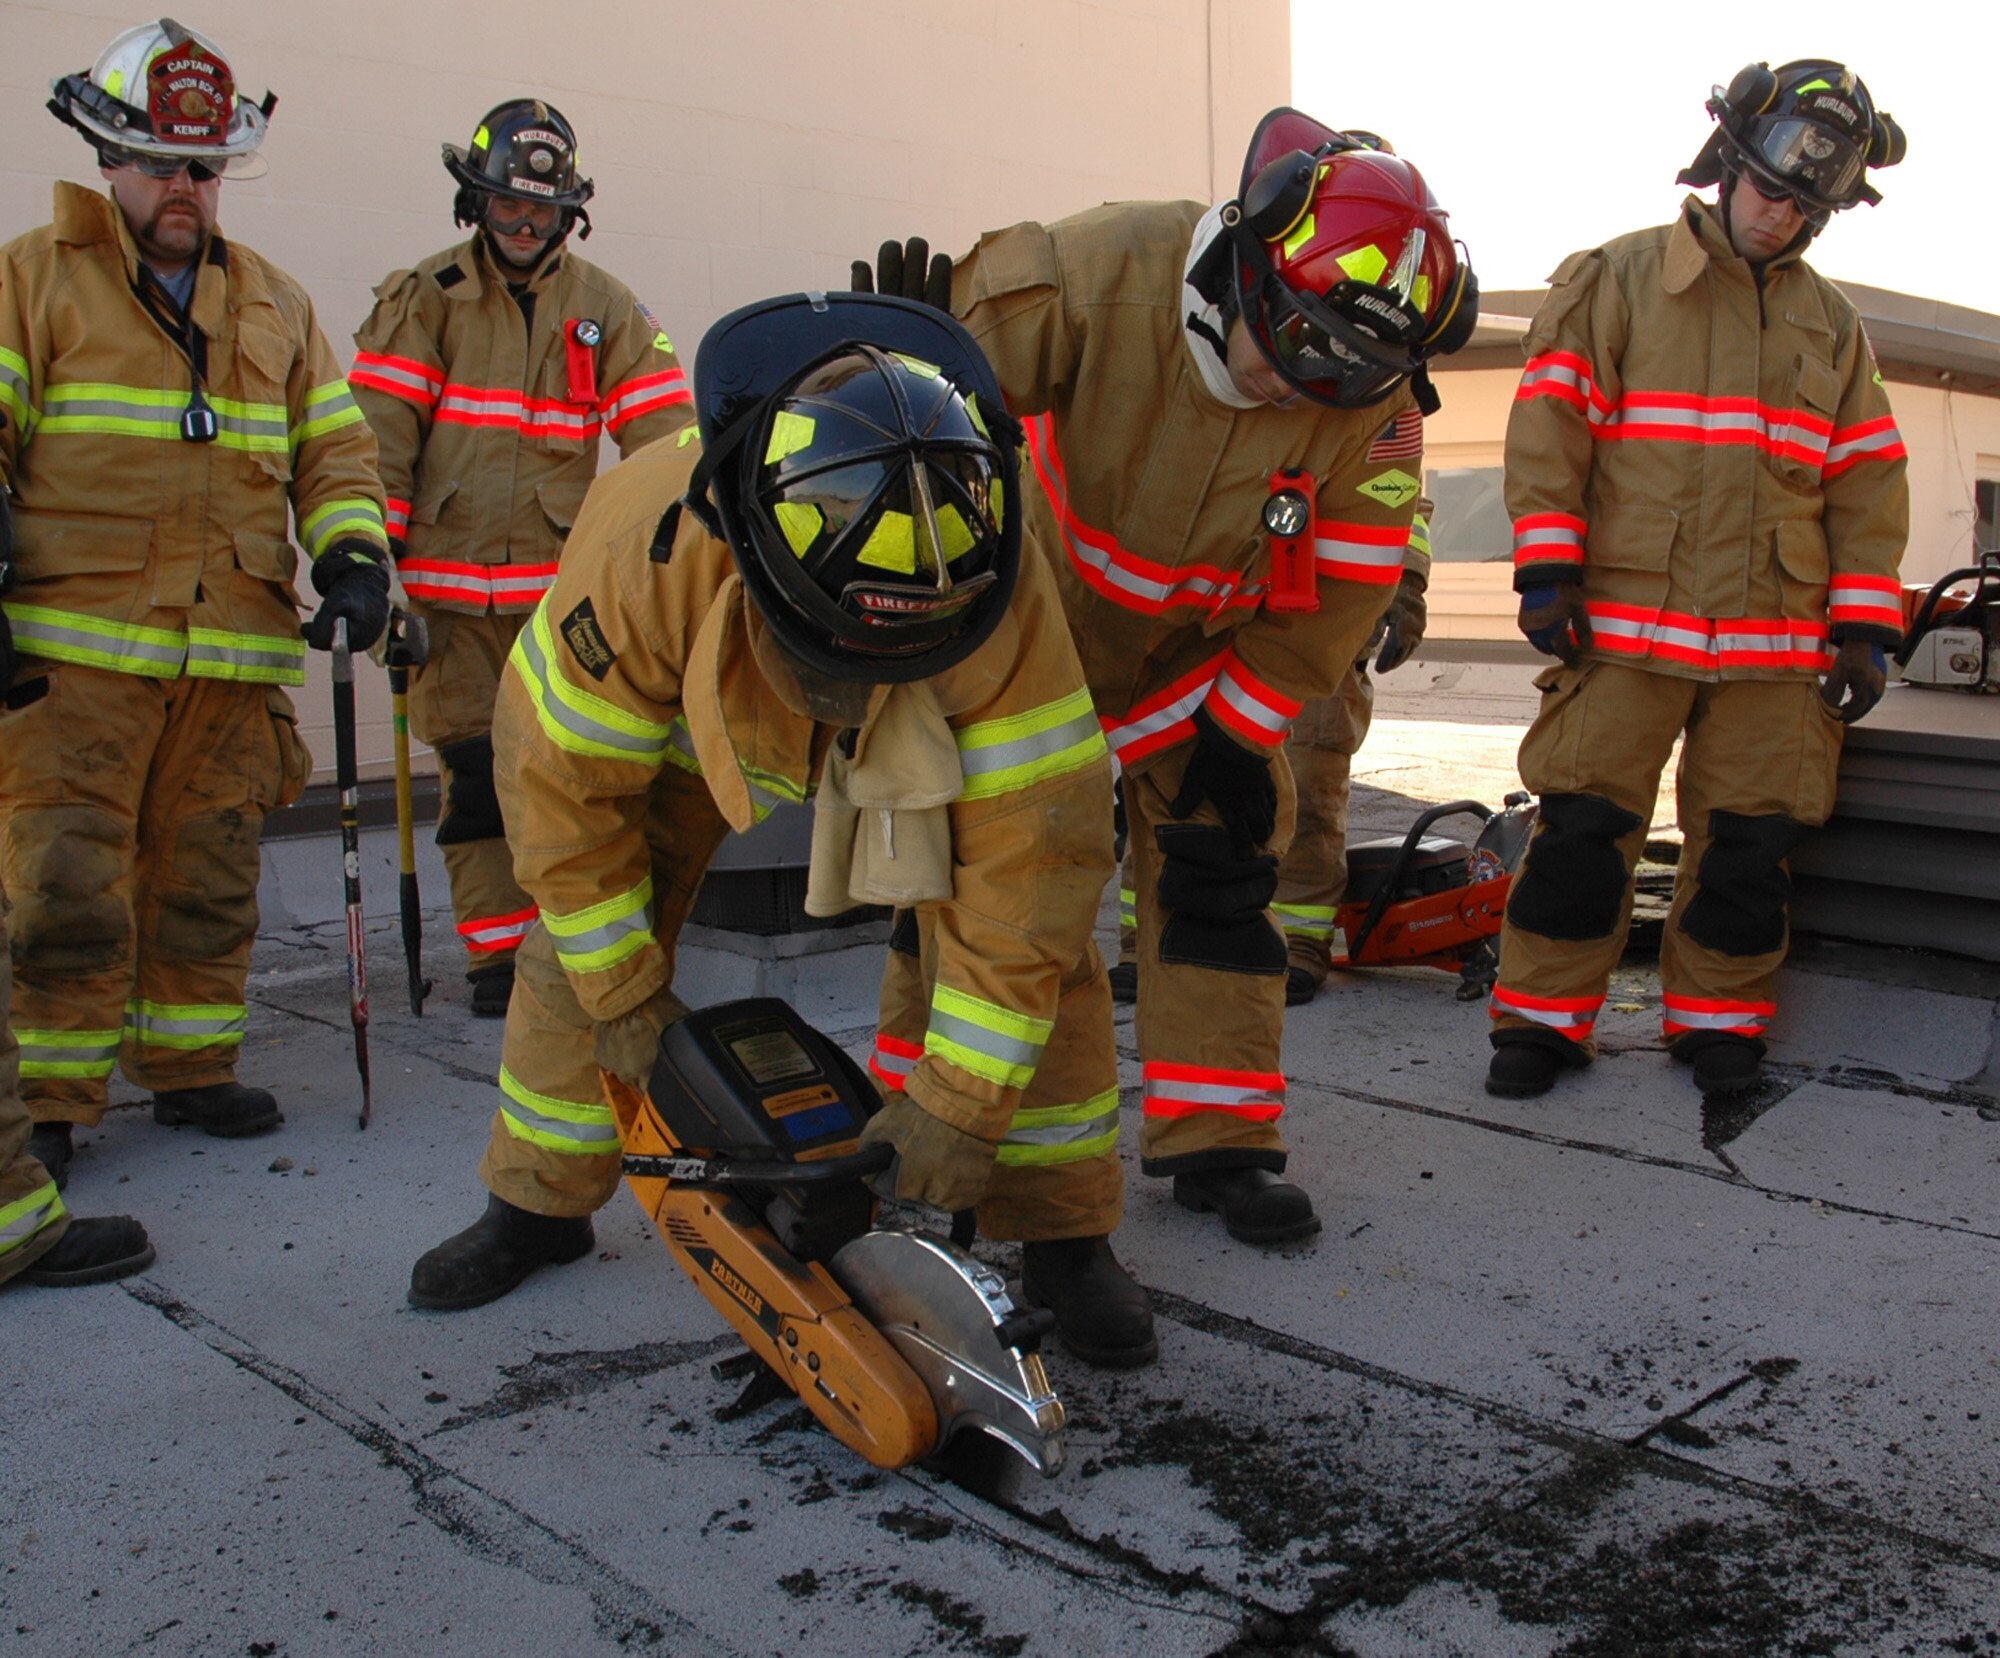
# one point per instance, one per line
(1102, 1313)
(227, 1110)
(92, 1251)
(1255, 1205)
(494, 1254)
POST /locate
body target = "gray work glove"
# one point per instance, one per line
(935, 1163)
(907, 270)
(629, 1045)
(1401, 629)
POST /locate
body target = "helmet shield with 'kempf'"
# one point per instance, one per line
(161, 96)
(865, 477)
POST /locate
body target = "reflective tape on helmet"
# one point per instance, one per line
(579, 1128)
(578, 720)
(67, 1053)
(991, 1042)
(246, 658)
(92, 642)
(1020, 750)
(28, 1215)
(185, 1026)
(1047, 1135)
(591, 940)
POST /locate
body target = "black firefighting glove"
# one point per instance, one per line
(1555, 622)
(629, 1046)
(354, 585)
(1856, 681)
(1235, 779)
(907, 270)
(1401, 629)
(935, 1162)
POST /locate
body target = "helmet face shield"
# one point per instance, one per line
(1802, 156)
(1320, 353)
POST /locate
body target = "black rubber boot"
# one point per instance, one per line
(1301, 986)
(1723, 1062)
(1124, 979)
(492, 988)
(92, 1252)
(49, 1145)
(1256, 1206)
(228, 1110)
(491, 1256)
(1527, 1069)
(1102, 1313)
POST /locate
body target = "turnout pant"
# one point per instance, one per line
(451, 709)
(130, 811)
(32, 1216)
(1756, 774)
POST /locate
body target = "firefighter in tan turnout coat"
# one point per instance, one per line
(822, 586)
(1709, 505)
(489, 374)
(1204, 393)
(172, 411)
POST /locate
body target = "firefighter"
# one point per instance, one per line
(833, 581)
(1699, 575)
(489, 374)
(1203, 389)
(40, 1241)
(172, 410)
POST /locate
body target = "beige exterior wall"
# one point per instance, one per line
(739, 150)
(1953, 439)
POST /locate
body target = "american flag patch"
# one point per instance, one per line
(660, 340)
(1402, 439)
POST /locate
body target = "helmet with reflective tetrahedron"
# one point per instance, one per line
(162, 96)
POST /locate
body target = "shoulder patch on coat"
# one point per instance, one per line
(1389, 489)
(449, 277)
(587, 643)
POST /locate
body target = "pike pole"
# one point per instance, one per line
(409, 647)
(350, 849)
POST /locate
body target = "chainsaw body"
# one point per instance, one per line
(1422, 900)
(744, 1152)
(1952, 639)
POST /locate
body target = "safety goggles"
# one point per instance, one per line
(1804, 159)
(159, 166)
(506, 216)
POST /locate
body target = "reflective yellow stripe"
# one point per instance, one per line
(246, 658)
(991, 1042)
(321, 527)
(185, 1025)
(588, 941)
(92, 642)
(1313, 921)
(1420, 535)
(14, 387)
(67, 1053)
(328, 408)
(574, 719)
(26, 1216)
(1051, 1134)
(580, 1128)
(1054, 740)
(80, 407)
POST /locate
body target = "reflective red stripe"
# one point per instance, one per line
(893, 1060)
(1681, 1014)
(1872, 440)
(1162, 719)
(403, 377)
(1360, 552)
(1548, 538)
(1877, 600)
(1259, 713)
(535, 417)
(504, 586)
(1173, 1090)
(1687, 417)
(398, 516)
(493, 933)
(1567, 377)
(1574, 1016)
(630, 399)
(1739, 642)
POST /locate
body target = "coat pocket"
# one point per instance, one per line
(1635, 546)
(264, 357)
(1803, 567)
(267, 558)
(295, 761)
(1798, 453)
(48, 544)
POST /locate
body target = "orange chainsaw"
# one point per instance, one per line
(1423, 900)
(744, 1151)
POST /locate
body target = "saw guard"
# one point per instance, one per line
(792, 1314)
(950, 1317)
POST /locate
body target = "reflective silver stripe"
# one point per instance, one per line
(328, 527)
(562, 1128)
(213, 1026)
(1009, 1050)
(208, 657)
(73, 641)
(165, 418)
(425, 387)
(20, 1221)
(680, 746)
(1551, 536)
(629, 744)
(1888, 438)
(1063, 1134)
(1041, 745)
(1211, 1093)
(602, 937)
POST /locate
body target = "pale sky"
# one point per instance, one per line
(1543, 128)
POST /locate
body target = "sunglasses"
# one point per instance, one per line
(159, 166)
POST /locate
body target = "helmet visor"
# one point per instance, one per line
(1325, 356)
(1808, 158)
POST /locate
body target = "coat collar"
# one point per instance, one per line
(90, 218)
(1698, 241)
(482, 271)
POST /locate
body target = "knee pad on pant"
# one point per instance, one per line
(1574, 883)
(1741, 887)
(1216, 899)
(210, 909)
(471, 808)
(71, 890)
(904, 936)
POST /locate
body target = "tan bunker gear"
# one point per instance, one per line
(32, 1216)
(488, 402)
(1708, 451)
(635, 728)
(147, 732)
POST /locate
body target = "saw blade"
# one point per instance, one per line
(946, 1313)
